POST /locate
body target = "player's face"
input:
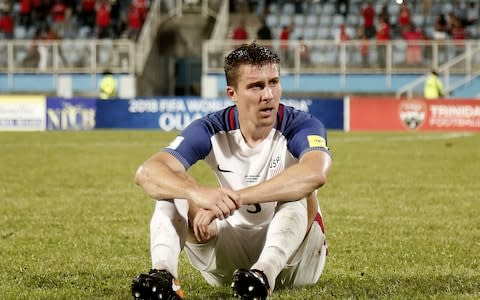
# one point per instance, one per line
(257, 94)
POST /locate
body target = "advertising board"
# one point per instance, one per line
(22, 113)
(390, 114)
(175, 113)
(70, 114)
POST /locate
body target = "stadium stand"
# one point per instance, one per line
(80, 46)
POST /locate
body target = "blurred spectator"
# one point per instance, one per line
(385, 13)
(32, 58)
(341, 36)
(59, 15)
(404, 18)
(240, 33)
(103, 20)
(413, 36)
(264, 32)
(459, 35)
(440, 28)
(342, 7)
(25, 13)
(440, 34)
(364, 48)
(142, 8)
(433, 88)
(87, 13)
(298, 6)
(284, 44)
(383, 35)
(460, 11)
(50, 34)
(368, 14)
(40, 12)
(135, 22)
(6, 25)
(472, 13)
(304, 52)
(117, 25)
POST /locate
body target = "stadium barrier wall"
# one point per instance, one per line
(174, 113)
(390, 114)
(38, 113)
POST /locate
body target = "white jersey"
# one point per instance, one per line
(216, 138)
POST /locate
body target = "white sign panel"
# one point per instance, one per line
(22, 113)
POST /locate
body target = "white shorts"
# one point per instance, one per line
(240, 248)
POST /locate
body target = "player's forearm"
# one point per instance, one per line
(293, 184)
(159, 182)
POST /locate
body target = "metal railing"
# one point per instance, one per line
(466, 61)
(331, 57)
(67, 56)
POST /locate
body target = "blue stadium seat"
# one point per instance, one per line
(299, 20)
(271, 20)
(19, 32)
(285, 20)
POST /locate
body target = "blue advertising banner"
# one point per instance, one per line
(70, 114)
(327, 110)
(175, 113)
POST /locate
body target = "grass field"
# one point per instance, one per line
(402, 216)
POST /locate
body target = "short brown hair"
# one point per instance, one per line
(247, 54)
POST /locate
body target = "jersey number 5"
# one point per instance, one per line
(258, 208)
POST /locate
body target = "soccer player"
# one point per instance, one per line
(262, 228)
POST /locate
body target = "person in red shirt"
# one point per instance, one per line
(240, 33)
(404, 18)
(383, 35)
(59, 15)
(414, 50)
(6, 24)
(284, 44)
(368, 14)
(103, 20)
(364, 47)
(135, 22)
(142, 9)
(341, 36)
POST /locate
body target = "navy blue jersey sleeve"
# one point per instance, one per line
(192, 144)
(304, 133)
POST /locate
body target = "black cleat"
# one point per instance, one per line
(157, 284)
(250, 284)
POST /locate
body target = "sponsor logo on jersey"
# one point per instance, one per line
(223, 170)
(316, 141)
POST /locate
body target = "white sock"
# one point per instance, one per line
(285, 234)
(168, 231)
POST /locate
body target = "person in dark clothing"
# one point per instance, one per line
(264, 32)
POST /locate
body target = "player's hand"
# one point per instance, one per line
(221, 201)
(204, 227)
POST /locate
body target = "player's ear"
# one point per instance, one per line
(231, 93)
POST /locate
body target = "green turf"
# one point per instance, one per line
(402, 216)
